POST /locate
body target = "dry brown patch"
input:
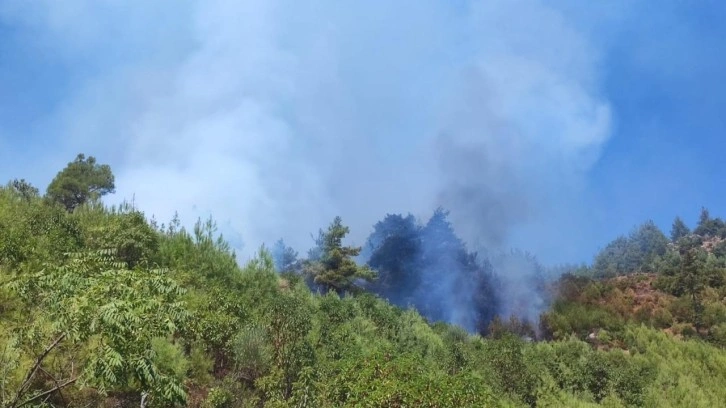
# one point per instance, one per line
(283, 284)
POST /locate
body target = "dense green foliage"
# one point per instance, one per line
(82, 180)
(333, 266)
(100, 307)
(679, 229)
(633, 253)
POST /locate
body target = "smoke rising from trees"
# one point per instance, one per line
(277, 116)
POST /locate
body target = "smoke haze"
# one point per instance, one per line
(275, 116)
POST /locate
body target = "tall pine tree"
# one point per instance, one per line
(82, 180)
(692, 277)
(679, 229)
(336, 269)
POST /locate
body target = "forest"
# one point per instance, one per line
(101, 306)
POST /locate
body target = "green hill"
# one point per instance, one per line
(100, 307)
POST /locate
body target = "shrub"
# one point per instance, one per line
(218, 398)
(662, 318)
(252, 353)
(169, 357)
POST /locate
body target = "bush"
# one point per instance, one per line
(169, 357)
(662, 318)
(717, 334)
(714, 313)
(568, 318)
(578, 369)
(506, 356)
(200, 366)
(252, 353)
(218, 398)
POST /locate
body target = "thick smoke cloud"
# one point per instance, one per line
(524, 128)
(427, 266)
(275, 116)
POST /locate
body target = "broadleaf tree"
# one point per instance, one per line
(114, 313)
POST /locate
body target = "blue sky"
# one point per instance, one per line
(551, 126)
(665, 82)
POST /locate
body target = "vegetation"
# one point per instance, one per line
(634, 253)
(82, 180)
(100, 307)
(333, 267)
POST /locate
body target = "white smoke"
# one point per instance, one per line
(275, 116)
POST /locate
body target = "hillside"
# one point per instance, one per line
(101, 307)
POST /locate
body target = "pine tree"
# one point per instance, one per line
(336, 269)
(679, 229)
(24, 189)
(709, 227)
(395, 247)
(692, 278)
(704, 217)
(284, 256)
(82, 180)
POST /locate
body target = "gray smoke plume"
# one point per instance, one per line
(503, 166)
(275, 116)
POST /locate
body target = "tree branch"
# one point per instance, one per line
(11, 280)
(18, 277)
(32, 372)
(43, 394)
(58, 387)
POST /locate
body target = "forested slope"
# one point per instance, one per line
(101, 307)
